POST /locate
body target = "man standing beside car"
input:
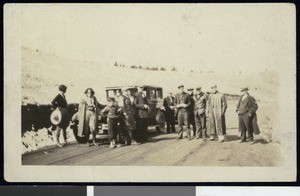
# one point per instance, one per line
(170, 113)
(141, 103)
(182, 102)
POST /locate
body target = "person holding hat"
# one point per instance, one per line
(191, 116)
(141, 103)
(112, 111)
(60, 103)
(88, 110)
(246, 109)
(170, 112)
(199, 112)
(182, 101)
(216, 108)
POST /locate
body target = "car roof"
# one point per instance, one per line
(131, 86)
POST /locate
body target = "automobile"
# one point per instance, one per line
(156, 115)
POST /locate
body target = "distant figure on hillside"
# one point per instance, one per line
(246, 109)
(216, 108)
(60, 103)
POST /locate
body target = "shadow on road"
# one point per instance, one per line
(232, 138)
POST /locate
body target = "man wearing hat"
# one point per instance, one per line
(60, 103)
(182, 102)
(191, 116)
(129, 113)
(216, 108)
(199, 112)
(246, 109)
(112, 111)
(170, 112)
(141, 103)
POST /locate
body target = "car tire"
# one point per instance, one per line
(82, 140)
(160, 121)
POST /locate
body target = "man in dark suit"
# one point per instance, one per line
(60, 102)
(246, 109)
(182, 102)
(141, 103)
(169, 113)
(191, 116)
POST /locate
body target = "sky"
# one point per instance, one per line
(221, 38)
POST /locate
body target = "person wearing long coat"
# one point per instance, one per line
(88, 111)
(141, 104)
(246, 109)
(216, 108)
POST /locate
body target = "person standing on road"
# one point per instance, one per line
(112, 112)
(129, 113)
(60, 102)
(170, 113)
(199, 112)
(122, 132)
(216, 108)
(88, 110)
(141, 103)
(246, 109)
(182, 102)
(191, 116)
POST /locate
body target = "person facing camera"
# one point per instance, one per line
(88, 120)
(112, 111)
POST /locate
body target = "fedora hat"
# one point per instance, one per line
(244, 89)
(180, 86)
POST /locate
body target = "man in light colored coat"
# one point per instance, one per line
(216, 108)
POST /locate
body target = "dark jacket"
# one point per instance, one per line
(59, 101)
(182, 98)
(129, 106)
(200, 104)
(169, 101)
(139, 102)
(247, 105)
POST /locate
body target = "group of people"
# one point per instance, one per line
(127, 115)
(205, 113)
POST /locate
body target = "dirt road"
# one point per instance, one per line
(164, 150)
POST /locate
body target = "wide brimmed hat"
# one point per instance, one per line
(56, 117)
(60, 117)
(198, 88)
(180, 86)
(190, 89)
(244, 89)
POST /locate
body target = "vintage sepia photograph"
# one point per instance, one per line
(150, 92)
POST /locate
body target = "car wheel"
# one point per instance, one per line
(160, 121)
(82, 140)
